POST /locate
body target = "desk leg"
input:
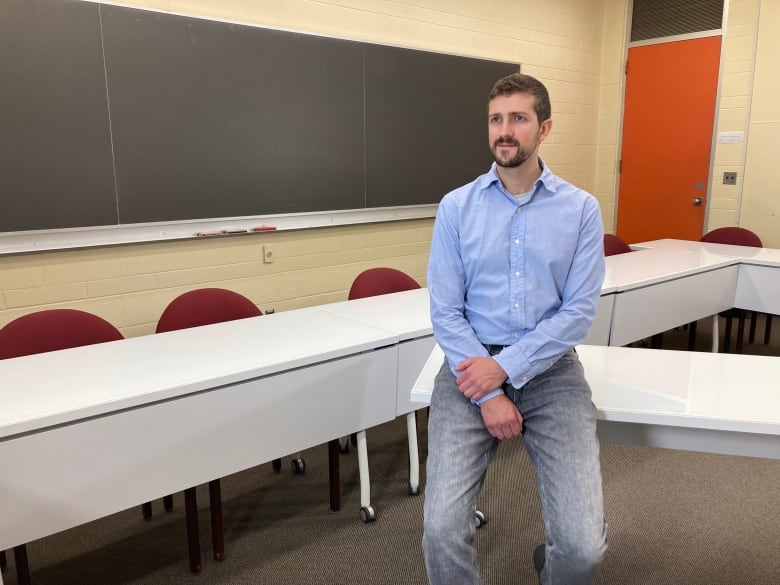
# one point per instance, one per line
(22, 566)
(365, 478)
(333, 473)
(715, 333)
(217, 532)
(193, 538)
(414, 456)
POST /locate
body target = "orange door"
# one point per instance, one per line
(667, 139)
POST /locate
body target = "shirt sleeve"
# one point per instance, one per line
(447, 289)
(569, 325)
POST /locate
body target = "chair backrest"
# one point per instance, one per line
(615, 245)
(205, 306)
(380, 281)
(736, 236)
(54, 329)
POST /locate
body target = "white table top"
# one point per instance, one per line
(653, 265)
(406, 313)
(677, 388)
(745, 254)
(108, 377)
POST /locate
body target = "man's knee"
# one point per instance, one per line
(445, 527)
(584, 555)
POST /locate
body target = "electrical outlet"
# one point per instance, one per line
(268, 254)
(729, 178)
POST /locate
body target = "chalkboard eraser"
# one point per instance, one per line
(264, 228)
(209, 233)
(234, 231)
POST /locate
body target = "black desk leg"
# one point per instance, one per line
(333, 474)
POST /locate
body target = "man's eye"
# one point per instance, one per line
(494, 119)
(519, 118)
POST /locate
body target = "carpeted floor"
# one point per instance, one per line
(676, 518)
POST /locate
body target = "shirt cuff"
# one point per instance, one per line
(487, 397)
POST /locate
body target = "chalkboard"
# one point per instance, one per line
(113, 116)
(426, 123)
(56, 167)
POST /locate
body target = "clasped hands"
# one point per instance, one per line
(478, 377)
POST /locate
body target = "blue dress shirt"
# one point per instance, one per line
(524, 272)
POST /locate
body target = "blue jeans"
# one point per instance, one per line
(560, 438)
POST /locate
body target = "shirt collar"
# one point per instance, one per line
(548, 180)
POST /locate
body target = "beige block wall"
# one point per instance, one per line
(761, 187)
(736, 88)
(575, 46)
(131, 285)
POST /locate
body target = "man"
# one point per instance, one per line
(515, 274)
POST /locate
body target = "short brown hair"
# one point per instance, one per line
(519, 83)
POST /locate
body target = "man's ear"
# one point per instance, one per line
(544, 129)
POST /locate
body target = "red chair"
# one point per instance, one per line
(614, 245)
(369, 283)
(41, 332)
(380, 281)
(735, 236)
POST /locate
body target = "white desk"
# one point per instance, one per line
(716, 403)
(758, 283)
(89, 431)
(667, 283)
(407, 314)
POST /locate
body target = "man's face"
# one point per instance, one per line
(514, 132)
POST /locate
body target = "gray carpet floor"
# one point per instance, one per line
(675, 518)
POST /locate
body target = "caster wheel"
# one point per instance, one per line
(481, 520)
(367, 514)
(414, 491)
(298, 466)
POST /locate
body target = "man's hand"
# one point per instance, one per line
(479, 376)
(502, 418)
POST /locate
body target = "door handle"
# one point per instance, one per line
(697, 201)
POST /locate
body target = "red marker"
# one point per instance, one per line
(264, 228)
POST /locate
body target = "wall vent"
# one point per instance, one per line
(654, 19)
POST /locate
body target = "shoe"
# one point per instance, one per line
(539, 556)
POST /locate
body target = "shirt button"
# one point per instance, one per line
(517, 241)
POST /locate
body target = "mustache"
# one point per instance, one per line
(506, 142)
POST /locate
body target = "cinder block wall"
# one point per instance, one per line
(736, 91)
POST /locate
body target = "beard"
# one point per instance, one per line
(520, 156)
